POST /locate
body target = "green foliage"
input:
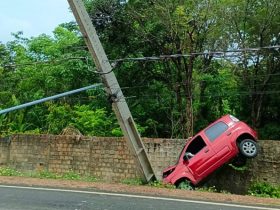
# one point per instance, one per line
(58, 118)
(136, 181)
(117, 132)
(46, 175)
(92, 122)
(243, 168)
(31, 82)
(70, 175)
(87, 120)
(89, 179)
(5, 171)
(207, 189)
(169, 98)
(262, 189)
(270, 131)
(160, 184)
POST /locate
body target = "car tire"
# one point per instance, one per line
(248, 148)
(185, 185)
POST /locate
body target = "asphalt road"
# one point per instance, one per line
(27, 198)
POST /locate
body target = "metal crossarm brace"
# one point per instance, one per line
(22, 106)
(113, 90)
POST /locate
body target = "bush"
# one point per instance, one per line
(9, 172)
(160, 184)
(70, 175)
(262, 189)
(270, 131)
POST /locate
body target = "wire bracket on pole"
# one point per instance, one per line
(113, 98)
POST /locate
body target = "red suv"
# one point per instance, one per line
(225, 140)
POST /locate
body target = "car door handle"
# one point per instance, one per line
(206, 150)
(229, 133)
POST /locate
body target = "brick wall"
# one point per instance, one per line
(110, 159)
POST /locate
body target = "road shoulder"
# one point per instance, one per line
(140, 190)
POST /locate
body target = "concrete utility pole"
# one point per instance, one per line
(113, 90)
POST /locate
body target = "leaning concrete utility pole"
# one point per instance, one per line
(113, 89)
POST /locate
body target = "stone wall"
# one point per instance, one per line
(110, 159)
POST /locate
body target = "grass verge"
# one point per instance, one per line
(6, 171)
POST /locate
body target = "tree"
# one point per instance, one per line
(175, 27)
(44, 66)
(168, 98)
(254, 23)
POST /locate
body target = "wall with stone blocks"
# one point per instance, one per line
(110, 159)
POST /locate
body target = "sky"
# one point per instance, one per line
(33, 17)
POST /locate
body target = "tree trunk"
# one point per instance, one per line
(189, 99)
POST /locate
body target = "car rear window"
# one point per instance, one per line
(216, 130)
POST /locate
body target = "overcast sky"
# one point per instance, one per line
(33, 17)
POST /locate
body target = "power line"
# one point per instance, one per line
(152, 58)
(52, 61)
(240, 93)
(227, 53)
(228, 93)
(181, 84)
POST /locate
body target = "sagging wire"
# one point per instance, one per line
(98, 71)
(115, 62)
(221, 54)
(48, 62)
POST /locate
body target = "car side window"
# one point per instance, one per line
(216, 130)
(195, 146)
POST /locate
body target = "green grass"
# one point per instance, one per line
(259, 189)
(207, 189)
(243, 168)
(211, 189)
(160, 184)
(136, 181)
(263, 189)
(70, 175)
(9, 172)
(44, 175)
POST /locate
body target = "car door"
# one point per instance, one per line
(219, 136)
(199, 163)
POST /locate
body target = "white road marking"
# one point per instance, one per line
(140, 196)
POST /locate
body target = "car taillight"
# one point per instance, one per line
(234, 119)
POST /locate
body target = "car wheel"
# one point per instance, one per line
(248, 148)
(185, 185)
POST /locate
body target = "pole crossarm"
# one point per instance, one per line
(113, 89)
(22, 106)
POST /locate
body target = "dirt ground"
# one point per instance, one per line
(140, 190)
